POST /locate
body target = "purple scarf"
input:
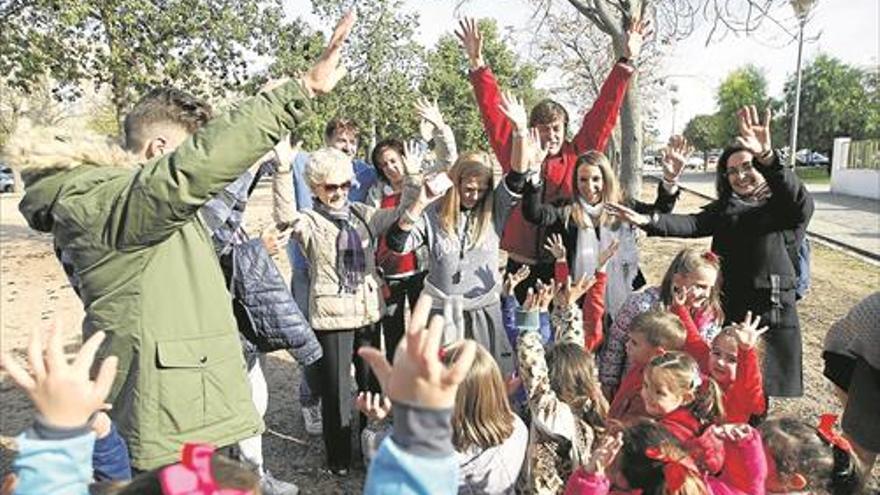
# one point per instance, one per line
(350, 259)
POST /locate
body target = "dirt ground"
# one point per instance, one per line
(34, 289)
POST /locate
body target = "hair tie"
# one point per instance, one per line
(710, 256)
(193, 475)
(675, 471)
(826, 431)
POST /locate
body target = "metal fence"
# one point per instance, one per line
(864, 154)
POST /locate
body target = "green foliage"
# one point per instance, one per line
(836, 100)
(702, 132)
(446, 80)
(744, 86)
(132, 45)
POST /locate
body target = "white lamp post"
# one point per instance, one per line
(801, 9)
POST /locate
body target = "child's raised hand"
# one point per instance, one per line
(682, 295)
(556, 247)
(472, 40)
(513, 279)
(544, 295)
(570, 292)
(603, 456)
(374, 405)
(731, 432)
(418, 376)
(62, 392)
(606, 254)
(636, 35)
(538, 152)
(747, 332)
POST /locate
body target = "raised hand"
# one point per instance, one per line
(513, 279)
(556, 247)
(374, 405)
(429, 111)
(754, 135)
(681, 296)
(512, 106)
(418, 376)
(604, 454)
(606, 254)
(472, 40)
(62, 392)
(674, 158)
(413, 155)
(544, 295)
(626, 214)
(569, 292)
(322, 77)
(748, 331)
(636, 35)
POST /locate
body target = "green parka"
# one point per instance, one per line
(148, 276)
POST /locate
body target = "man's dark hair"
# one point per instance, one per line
(340, 125)
(546, 112)
(164, 106)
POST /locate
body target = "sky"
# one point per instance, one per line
(846, 29)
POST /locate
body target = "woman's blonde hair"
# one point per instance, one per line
(482, 417)
(689, 260)
(326, 162)
(681, 371)
(468, 165)
(610, 188)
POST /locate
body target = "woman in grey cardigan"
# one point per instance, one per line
(463, 232)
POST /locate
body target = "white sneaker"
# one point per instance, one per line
(270, 485)
(312, 419)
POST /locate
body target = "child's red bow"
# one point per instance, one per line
(193, 475)
(675, 471)
(826, 431)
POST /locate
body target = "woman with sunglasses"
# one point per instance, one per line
(340, 238)
(756, 224)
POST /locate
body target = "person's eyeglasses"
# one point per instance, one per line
(330, 188)
(743, 168)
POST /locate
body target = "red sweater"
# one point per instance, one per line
(627, 403)
(744, 397)
(521, 237)
(593, 306)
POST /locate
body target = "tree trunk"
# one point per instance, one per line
(631, 140)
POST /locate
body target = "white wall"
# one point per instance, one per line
(864, 183)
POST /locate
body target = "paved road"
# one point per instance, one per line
(845, 219)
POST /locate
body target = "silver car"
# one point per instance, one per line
(7, 179)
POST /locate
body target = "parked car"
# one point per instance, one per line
(694, 161)
(7, 179)
(811, 158)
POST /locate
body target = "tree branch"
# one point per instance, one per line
(615, 28)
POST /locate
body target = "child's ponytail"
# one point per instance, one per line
(708, 405)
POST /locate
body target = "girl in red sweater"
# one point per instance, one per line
(684, 401)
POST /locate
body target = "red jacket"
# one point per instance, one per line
(706, 449)
(744, 397)
(521, 237)
(627, 403)
(593, 306)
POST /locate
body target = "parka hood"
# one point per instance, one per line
(43, 155)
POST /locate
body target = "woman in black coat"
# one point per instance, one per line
(760, 216)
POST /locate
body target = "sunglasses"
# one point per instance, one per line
(743, 168)
(330, 188)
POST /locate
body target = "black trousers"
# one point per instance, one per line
(330, 377)
(394, 321)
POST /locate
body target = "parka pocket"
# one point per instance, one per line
(195, 376)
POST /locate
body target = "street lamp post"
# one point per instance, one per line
(801, 9)
(674, 101)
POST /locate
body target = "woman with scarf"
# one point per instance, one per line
(756, 224)
(345, 301)
(462, 233)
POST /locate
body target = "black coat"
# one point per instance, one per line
(758, 272)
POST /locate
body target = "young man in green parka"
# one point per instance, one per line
(125, 222)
